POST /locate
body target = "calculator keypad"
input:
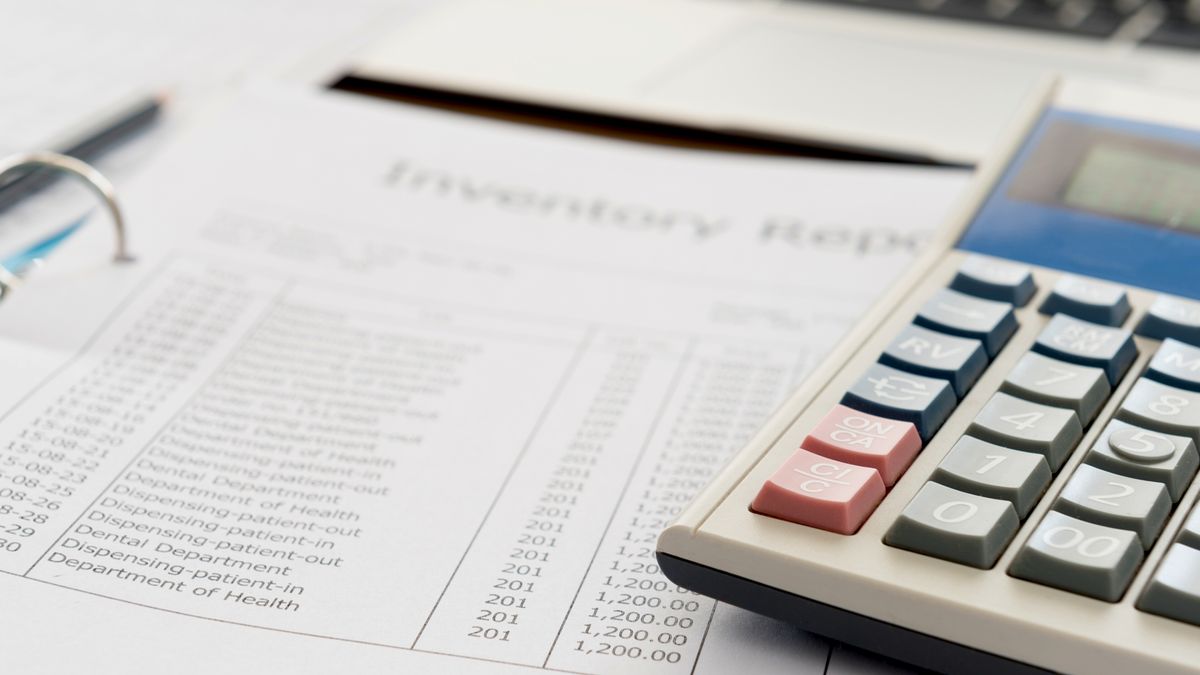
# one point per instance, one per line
(1113, 508)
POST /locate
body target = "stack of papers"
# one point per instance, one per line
(394, 389)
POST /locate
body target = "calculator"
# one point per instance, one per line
(996, 469)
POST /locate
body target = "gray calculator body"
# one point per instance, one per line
(1029, 509)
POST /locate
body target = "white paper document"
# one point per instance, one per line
(395, 389)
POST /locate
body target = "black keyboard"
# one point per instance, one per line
(1171, 23)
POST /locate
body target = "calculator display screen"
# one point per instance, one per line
(1102, 196)
(1136, 184)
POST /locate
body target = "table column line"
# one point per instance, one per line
(659, 415)
(271, 305)
(561, 385)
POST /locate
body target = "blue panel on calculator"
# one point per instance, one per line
(1100, 196)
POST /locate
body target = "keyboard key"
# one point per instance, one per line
(1174, 590)
(895, 394)
(989, 470)
(847, 435)
(926, 352)
(1079, 556)
(1161, 408)
(819, 492)
(1105, 498)
(1150, 455)
(995, 279)
(1176, 364)
(1172, 317)
(988, 321)
(1095, 301)
(1087, 344)
(1058, 383)
(1014, 423)
(1190, 534)
(957, 526)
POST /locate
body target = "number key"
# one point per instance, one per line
(1140, 453)
(1058, 383)
(986, 469)
(1174, 590)
(957, 526)
(1162, 408)
(1106, 498)
(1079, 556)
(1013, 423)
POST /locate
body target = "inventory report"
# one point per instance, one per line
(394, 389)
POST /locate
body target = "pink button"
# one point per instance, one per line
(812, 490)
(851, 436)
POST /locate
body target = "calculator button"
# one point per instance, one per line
(989, 470)
(926, 352)
(1190, 534)
(988, 321)
(954, 525)
(1150, 455)
(1105, 498)
(1088, 344)
(1079, 556)
(1023, 425)
(1088, 299)
(895, 394)
(1176, 364)
(847, 435)
(1172, 317)
(995, 279)
(1167, 409)
(1058, 383)
(1174, 590)
(820, 492)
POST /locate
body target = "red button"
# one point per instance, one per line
(845, 434)
(813, 490)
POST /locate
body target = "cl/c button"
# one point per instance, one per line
(812, 490)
